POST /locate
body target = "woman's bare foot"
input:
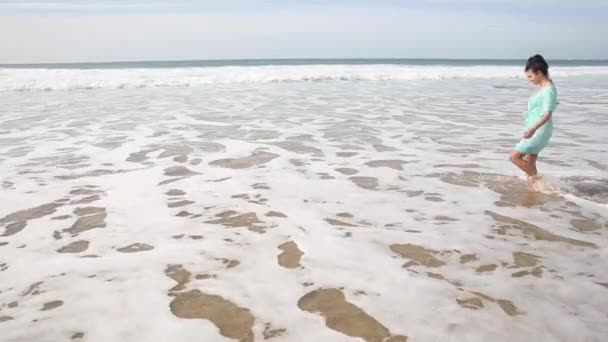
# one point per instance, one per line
(533, 181)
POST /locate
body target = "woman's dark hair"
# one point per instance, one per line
(536, 64)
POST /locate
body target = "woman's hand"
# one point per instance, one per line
(529, 133)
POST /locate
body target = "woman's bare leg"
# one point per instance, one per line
(525, 162)
(531, 159)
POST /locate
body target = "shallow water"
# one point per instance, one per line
(267, 210)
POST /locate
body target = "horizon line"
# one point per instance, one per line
(292, 59)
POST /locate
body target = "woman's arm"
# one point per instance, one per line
(530, 132)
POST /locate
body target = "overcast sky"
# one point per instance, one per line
(113, 30)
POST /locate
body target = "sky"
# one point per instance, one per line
(46, 31)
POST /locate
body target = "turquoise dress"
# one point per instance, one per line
(545, 100)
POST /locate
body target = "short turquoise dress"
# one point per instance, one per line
(544, 100)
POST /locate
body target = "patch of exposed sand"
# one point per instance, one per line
(474, 303)
(135, 248)
(230, 263)
(347, 171)
(180, 275)
(255, 159)
(297, 162)
(232, 219)
(345, 317)
(418, 255)
(290, 256)
(392, 164)
(51, 305)
(92, 221)
(345, 215)
(232, 321)
(180, 159)
(506, 305)
(178, 204)
(346, 154)
(77, 336)
(175, 192)
(175, 151)
(458, 166)
(14, 228)
(275, 214)
(85, 200)
(466, 258)
(505, 224)
(17, 221)
(585, 225)
(88, 211)
(140, 156)
(205, 276)
(171, 180)
(74, 247)
(33, 289)
(94, 173)
(85, 191)
(434, 198)
(339, 223)
(179, 171)
(183, 213)
(522, 259)
(299, 148)
(270, 333)
(260, 186)
(368, 183)
(486, 268)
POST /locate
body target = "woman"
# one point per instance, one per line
(539, 117)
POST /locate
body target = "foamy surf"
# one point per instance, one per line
(584, 188)
(594, 190)
(541, 183)
(385, 206)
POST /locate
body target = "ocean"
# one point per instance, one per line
(195, 73)
(299, 200)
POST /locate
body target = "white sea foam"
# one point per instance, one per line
(73, 79)
(437, 150)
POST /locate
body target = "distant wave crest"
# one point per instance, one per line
(81, 79)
